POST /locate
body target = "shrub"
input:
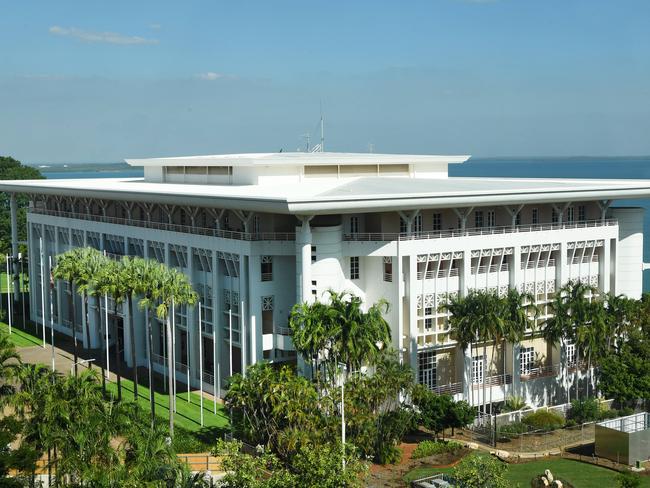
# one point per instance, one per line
(628, 480)
(582, 411)
(514, 403)
(431, 448)
(544, 420)
(508, 431)
(480, 472)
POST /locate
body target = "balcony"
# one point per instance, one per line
(476, 231)
(185, 229)
(448, 389)
(540, 372)
(495, 380)
(442, 273)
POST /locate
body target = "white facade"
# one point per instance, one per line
(258, 233)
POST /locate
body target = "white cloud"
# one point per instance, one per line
(108, 37)
(210, 76)
(155, 26)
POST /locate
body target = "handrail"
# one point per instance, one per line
(476, 231)
(186, 229)
(495, 380)
(539, 372)
(285, 331)
(448, 389)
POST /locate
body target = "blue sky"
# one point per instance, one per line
(84, 81)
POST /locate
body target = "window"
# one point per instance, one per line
(354, 268)
(478, 365)
(267, 268)
(570, 354)
(554, 216)
(427, 369)
(478, 218)
(570, 214)
(402, 226)
(313, 254)
(267, 315)
(491, 218)
(437, 221)
(535, 216)
(354, 225)
(582, 213)
(428, 321)
(417, 223)
(518, 218)
(526, 360)
(256, 224)
(388, 269)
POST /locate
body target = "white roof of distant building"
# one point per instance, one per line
(343, 196)
(295, 159)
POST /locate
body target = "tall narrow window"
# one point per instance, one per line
(354, 225)
(402, 226)
(427, 368)
(267, 268)
(313, 254)
(417, 223)
(478, 218)
(491, 218)
(267, 315)
(518, 218)
(526, 360)
(256, 224)
(437, 221)
(534, 218)
(554, 216)
(478, 365)
(354, 268)
(570, 354)
(388, 269)
(570, 214)
(582, 213)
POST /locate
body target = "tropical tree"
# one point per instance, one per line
(520, 315)
(128, 276)
(146, 276)
(91, 262)
(69, 268)
(9, 366)
(174, 289)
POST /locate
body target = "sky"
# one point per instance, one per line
(90, 81)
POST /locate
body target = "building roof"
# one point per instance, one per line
(296, 159)
(345, 195)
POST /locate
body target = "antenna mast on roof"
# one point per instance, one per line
(322, 130)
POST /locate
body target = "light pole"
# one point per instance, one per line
(343, 370)
(81, 362)
(51, 312)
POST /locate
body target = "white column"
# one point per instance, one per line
(413, 319)
(254, 309)
(562, 266)
(218, 317)
(13, 208)
(303, 267)
(243, 311)
(398, 341)
(604, 266)
(192, 335)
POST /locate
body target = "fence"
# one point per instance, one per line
(516, 437)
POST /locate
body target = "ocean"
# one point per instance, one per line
(579, 167)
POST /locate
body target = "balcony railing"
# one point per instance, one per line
(185, 229)
(442, 273)
(496, 380)
(494, 268)
(540, 372)
(448, 389)
(538, 263)
(285, 331)
(476, 231)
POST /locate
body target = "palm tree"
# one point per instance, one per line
(129, 284)
(9, 366)
(146, 276)
(107, 281)
(91, 263)
(311, 330)
(520, 315)
(69, 268)
(175, 289)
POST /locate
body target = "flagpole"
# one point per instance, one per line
(230, 337)
(174, 354)
(43, 289)
(9, 293)
(52, 312)
(201, 364)
(214, 365)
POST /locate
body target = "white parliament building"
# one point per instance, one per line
(257, 233)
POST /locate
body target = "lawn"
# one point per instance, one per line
(188, 414)
(581, 475)
(3, 282)
(19, 337)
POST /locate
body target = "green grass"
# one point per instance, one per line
(3, 283)
(19, 337)
(188, 414)
(581, 475)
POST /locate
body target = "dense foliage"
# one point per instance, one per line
(479, 471)
(544, 420)
(439, 412)
(431, 448)
(11, 169)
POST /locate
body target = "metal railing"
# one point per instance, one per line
(442, 273)
(495, 380)
(540, 372)
(541, 263)
(185, 229)
(448, 389)
(476, 231)
(494, 268)
(285, 331)
(267, 276)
